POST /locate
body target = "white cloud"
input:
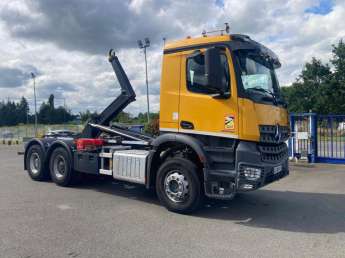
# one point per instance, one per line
(66, 42)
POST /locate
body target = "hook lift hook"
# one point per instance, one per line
(111, 55)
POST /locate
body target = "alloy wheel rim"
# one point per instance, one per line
(176, 186)
(35, 163)
(59, 166)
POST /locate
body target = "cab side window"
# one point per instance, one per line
(196, 79)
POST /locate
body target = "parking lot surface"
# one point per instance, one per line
(302, 215)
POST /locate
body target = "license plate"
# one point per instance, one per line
(277, 169)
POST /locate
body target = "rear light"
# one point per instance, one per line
(88, 144)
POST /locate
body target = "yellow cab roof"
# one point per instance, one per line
(196, 41)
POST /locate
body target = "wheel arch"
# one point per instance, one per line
(48, 146)
(170, 140)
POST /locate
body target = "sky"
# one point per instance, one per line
(65, 43)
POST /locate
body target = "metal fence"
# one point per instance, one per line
(24, 132)
(331, 138)
(21, 132)
(318, 138)
(300, 142)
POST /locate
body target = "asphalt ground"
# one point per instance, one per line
(302, 215)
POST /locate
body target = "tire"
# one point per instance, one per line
(35, 163)
(61, 171)
(178, 185)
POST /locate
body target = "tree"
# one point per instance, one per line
(337, 84)
(44, 114)
(152, 128)
(51, 101)
(12, 113)
(315, 72)
(306, 93)
(85, 116)
(338, 61)
(48, 114)
(124, 118)
(22, 111)
(318, 88)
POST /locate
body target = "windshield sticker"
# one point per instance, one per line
(229, 123)
(255, 80)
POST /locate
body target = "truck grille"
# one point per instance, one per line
(273, 133)
(273, 153)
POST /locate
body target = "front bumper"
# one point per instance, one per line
(268, 175)
(224, 184)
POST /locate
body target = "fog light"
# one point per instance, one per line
(252, 173)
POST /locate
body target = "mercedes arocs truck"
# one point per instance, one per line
(223, 128)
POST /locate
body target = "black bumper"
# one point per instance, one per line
(224, 184)
(268, 175)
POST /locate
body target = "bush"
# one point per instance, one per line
(153, 127)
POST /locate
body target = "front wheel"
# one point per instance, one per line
(178, 185)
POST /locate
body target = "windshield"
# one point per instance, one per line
(257, 74)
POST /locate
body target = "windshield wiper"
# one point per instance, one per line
(274, 97)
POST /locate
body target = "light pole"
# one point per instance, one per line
(143, 46)
(33, 77)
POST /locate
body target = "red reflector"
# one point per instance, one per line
(88, 143)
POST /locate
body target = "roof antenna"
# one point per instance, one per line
(221, 31)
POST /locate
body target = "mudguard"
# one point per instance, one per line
(167, 138)
(192, 142)
(48, 145)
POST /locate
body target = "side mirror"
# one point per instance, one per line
(214, 70)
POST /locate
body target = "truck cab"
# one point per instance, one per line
(223, 128)
(223, 91)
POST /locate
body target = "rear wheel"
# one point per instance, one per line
(61, 171)
(35, 163)
(178, 185)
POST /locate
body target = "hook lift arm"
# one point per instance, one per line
(123, 100)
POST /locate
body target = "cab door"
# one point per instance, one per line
(199, 111)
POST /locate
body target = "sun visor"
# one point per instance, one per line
(242, 42)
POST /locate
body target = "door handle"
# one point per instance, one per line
(187, 125)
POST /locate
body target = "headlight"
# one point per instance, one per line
(251, 173)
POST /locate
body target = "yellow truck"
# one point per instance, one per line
(223, 128)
